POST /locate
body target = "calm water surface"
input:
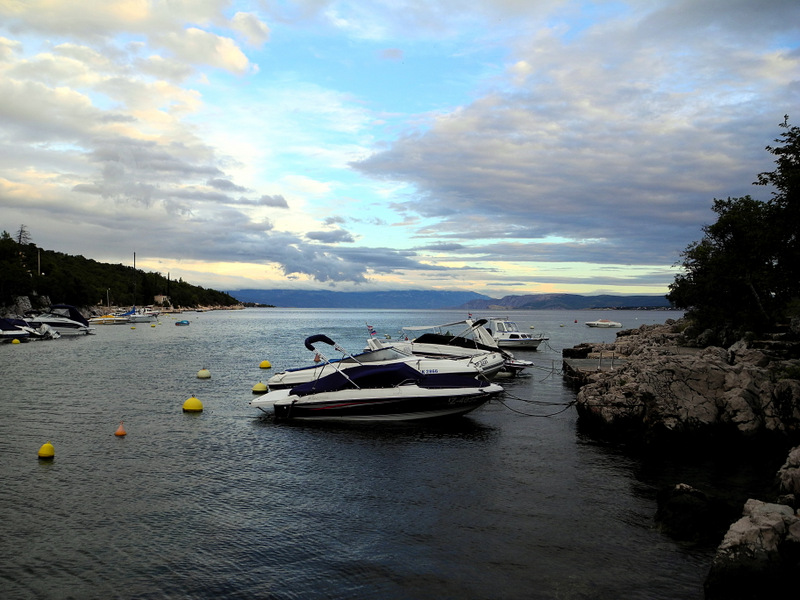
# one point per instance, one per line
(224, 504)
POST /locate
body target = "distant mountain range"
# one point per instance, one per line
(432, 299)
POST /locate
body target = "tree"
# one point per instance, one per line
(744, 275)
(23, 236)
(786, 201)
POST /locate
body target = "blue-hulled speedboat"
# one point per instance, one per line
(384, 392)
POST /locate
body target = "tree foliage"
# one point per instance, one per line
(744, 275)
(30, 271)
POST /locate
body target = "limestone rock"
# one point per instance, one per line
(789, 475)
(663, 388)
(759, 557)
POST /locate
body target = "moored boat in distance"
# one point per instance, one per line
(108, 320)
(376, 393)
(507, 334)
(603, 323)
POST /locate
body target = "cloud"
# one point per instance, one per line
(333, 236)
(8, 48)
(199, 47)
(225, 185)
(517, 143)
(608, 137)
(276, 201)
(254, 31)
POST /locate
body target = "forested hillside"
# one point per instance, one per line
(27, 270)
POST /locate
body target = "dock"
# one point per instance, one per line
(577, 370)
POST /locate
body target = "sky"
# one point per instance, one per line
(497, 146)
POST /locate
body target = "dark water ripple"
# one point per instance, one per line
(223, 504)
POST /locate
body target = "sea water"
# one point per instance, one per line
(510, 501)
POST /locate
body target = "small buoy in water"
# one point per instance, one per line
(133, 326)
(576, 320)
(192, 405)
(120, 432)
(204, 374)
(15, 341)
(47, 452)
(260, 388)
(265, 364)
(152, 325)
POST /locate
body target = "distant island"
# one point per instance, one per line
(443, 300)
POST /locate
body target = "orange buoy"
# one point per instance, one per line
(120, 430)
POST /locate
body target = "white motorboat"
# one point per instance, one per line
(377, 393)
(64, 318)
(507, 334)
(141, 315)
(19, 329)
(438, 341)
(485, 365)
(603, 323)
(14, 329)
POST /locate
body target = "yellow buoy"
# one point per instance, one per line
(204, 374)
(192, 405)
(260, 388)
(133, 327)
(47, 452)
(120, 430)
(152, 325)
(15, 341)
(265, 364)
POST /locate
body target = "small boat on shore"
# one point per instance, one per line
(603, 323)
(376, 393)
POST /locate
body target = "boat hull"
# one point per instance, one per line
(528, 343)
(403, 403)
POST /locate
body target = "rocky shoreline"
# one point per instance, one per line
(655, 387)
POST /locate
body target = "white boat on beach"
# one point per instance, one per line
(376, 393)
(603, 323)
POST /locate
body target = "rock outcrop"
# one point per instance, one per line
(663, 388)
(666, 391)
(759, 557)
